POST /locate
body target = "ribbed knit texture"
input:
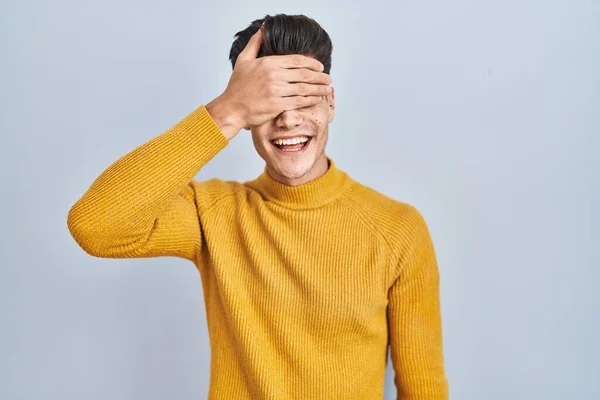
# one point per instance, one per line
(304, 286)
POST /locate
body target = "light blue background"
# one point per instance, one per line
(483, 114)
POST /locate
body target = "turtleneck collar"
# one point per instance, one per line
(312, 194)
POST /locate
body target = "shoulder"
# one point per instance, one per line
(398, 221)
(382, 207)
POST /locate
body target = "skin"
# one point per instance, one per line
(295, 169)
(279, 96)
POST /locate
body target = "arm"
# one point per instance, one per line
(414, 319)
(145, 203)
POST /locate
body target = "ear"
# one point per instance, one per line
(331, 104)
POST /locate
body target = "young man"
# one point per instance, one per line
(307, 274)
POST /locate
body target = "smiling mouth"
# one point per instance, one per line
(292, 146)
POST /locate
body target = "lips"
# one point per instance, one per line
(293, 148)
(291, 137)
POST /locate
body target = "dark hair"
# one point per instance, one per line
(287, 34)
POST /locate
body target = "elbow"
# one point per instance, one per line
(84, 231)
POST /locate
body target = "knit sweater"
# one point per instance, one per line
(307, 288)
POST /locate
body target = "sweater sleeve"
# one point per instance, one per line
(414, 318)
(146, 203)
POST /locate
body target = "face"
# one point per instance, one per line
(312, 123)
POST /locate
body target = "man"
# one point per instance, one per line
(307, 275)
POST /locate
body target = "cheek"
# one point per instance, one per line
(320, 118)
(258, 136)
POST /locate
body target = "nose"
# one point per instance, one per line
(289, 119)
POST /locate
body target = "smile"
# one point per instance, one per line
(292, 146)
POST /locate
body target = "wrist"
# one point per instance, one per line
(225, 116)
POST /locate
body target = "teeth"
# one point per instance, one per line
(296, 140)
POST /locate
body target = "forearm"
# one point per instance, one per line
(416, 342)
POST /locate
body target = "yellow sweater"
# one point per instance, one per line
(304, 287)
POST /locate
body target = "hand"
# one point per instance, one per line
(262, 88)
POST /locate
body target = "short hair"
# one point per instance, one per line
(287, 34)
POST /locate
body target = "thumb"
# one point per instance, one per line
(252, 48)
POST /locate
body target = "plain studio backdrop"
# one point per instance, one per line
(483, 114)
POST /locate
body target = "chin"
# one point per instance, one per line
(294, 171)
(292, 167)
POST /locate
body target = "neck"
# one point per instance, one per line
(318, 169)
(318, 192)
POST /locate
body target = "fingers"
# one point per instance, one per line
(294, 102)
(304, 89)
(305, 75)
(252, 48)
(298, 61)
